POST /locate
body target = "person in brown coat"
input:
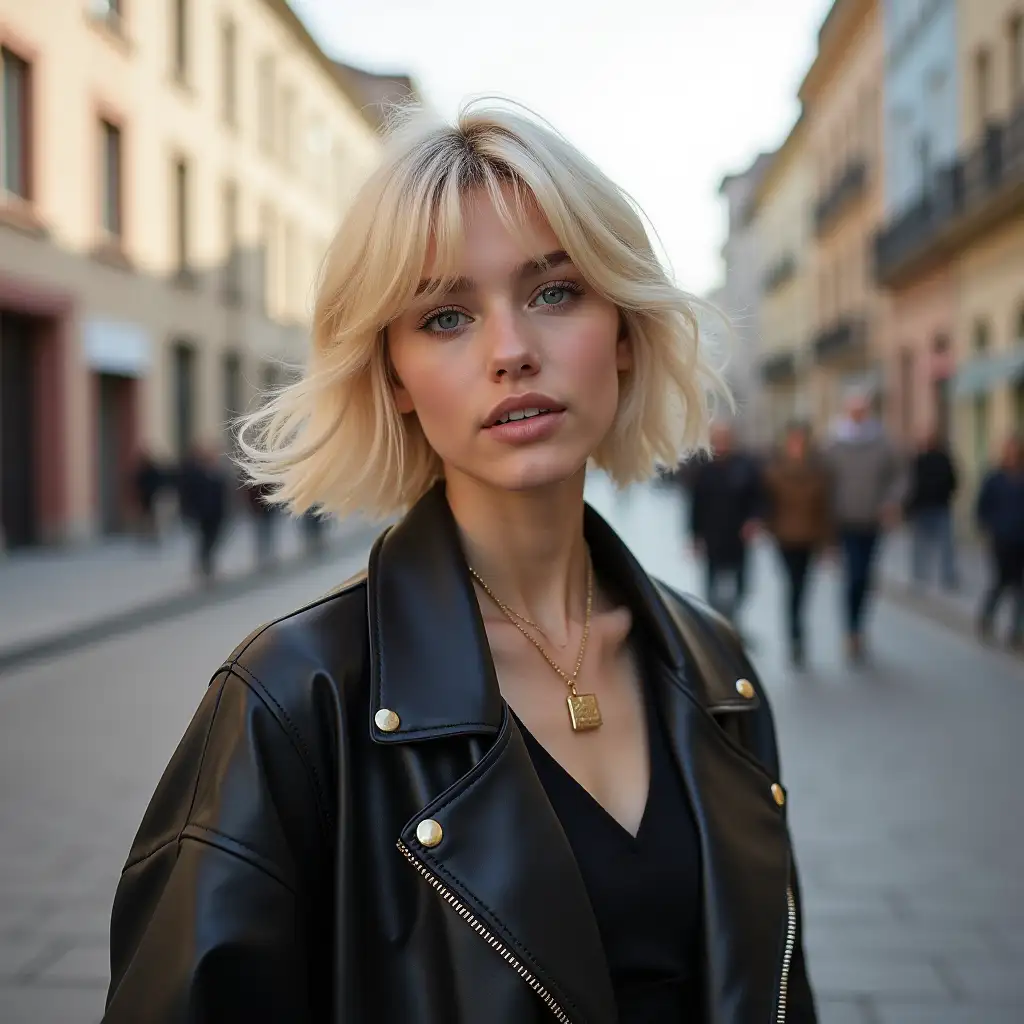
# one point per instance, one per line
(796, 490)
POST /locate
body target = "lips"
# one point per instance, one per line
(517, 408)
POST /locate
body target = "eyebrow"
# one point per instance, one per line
(557, 258)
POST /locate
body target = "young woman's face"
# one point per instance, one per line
(514, 374)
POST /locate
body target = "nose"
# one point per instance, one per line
(511, 349)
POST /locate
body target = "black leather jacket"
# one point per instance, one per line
(277, 875)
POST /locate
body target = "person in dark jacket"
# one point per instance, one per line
(203, 489)
(149, 480)
(932, 485)
(798, 515)
(725, 507)
(1000, 516)
(503, 776)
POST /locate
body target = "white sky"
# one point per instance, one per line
(666, 96)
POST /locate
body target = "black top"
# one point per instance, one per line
(645, 891)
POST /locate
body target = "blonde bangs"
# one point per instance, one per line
(335, 439)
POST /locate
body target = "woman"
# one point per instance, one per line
(796, 490)
(502, 776)
(1000, 516)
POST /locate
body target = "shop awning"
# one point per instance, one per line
(986, 373)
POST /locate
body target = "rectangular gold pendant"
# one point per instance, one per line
(584, 712)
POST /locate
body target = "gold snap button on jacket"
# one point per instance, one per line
(386, 720)
(429, 832)
(778, 793)
(745, 688)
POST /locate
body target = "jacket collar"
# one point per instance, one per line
(431, 664)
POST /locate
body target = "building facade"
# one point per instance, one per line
(739, 295)
(842, 102)
(170, 176)
(962, 239)
(782, 225)
(921, 127)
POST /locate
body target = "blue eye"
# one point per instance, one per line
(446, 321)
(553, 295)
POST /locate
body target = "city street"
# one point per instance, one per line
(903, 793)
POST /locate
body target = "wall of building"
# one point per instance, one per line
(844, 114)
(921, 95)
(127, 302)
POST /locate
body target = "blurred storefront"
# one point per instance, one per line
(160, 230)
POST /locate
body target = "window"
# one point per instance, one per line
(1015, 36)
(109, 12)
(268, 227)
(232, 386)
(16, 131)
(180, 185)
(982, 88)
(179, 39)
(232, 275)
(111, 197)
(229, 70)
(289, 105)
(265, 99)
(183, 404)
(980, 338)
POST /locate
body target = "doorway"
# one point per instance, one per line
(19, 514)
(115, 444)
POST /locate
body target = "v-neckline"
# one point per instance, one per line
(603, 811)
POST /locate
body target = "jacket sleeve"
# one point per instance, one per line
(215, 909)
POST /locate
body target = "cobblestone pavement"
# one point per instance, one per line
(906, 811)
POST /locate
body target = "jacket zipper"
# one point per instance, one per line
(787, 955)
(487, 935)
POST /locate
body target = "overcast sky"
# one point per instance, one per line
(666, 96)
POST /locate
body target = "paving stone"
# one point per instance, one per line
(87, 965)
(988, 978)
(873, 976)
(843, 1011)
(888, 1012)
(24, 1005)
(901, 941)
(19, 953)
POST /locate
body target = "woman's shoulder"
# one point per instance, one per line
(318, 652)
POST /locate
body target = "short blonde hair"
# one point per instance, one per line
(335, 440)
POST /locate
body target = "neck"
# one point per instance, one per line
(527, 546)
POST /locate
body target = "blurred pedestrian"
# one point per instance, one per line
(725, 505)
(1000, 515)
(867, 486)
(932, 484)
(798, 516)
(149, 480)
(314, 527)
(264, 518)
(203, 488)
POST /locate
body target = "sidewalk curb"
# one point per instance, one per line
(179, 603)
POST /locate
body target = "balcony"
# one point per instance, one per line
(844, 338)
(781, 271)
(845, 190)
(779, 368)
(968, 197)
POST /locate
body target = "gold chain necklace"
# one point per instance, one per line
(584, 712)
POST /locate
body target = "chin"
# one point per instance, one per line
(527, 471)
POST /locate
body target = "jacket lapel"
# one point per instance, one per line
(503, 861)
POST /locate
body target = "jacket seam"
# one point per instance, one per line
(257, 860)
(288, 727)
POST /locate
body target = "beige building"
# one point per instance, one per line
(170, 174)
(984, 232)
(782, 224)
(842, 101)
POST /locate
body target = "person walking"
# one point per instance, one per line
(866, 492)
(203, 497)
(149, 480)
(1000, 516)
(932, 485)
(725, 506)
(798, 516)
